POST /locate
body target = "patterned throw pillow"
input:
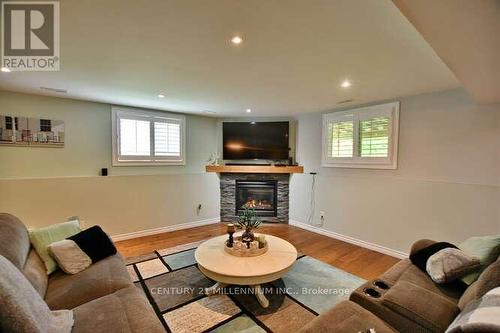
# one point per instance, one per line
(450, 264)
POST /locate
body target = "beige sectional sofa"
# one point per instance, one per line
(404, 299)
(102, 297)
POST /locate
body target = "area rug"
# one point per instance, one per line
(174, 285)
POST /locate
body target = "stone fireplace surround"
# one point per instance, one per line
(228, 189)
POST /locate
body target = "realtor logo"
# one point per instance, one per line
(30, 38)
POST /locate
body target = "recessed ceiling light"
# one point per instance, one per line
(345, 84)
(5, 69)
(249, 110)
(161, 96)
(236, 40)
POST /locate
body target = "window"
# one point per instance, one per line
(45, 125)
(362, 138)
(145, 138)
(8, 123)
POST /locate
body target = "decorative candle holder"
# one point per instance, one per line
(230, 230)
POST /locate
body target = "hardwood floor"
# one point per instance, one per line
(351, 258)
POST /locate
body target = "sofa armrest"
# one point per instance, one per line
(424, 307)
(420, 244)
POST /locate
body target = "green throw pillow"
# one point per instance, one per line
(485, 248)
(41, 238)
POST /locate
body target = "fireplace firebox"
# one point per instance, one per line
(260, 195)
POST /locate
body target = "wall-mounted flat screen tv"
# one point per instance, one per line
(255, 140)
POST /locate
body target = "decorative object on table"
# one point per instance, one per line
(242, 248)
(230, 230)
(262, 241)
(31, 132)
(248, 221)
(213, 159)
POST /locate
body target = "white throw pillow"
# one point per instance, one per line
(450, 264)
(68, 255)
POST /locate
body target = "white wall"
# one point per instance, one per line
(446, 187)
(47, 185)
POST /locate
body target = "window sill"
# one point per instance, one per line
(393, 166)
(134, 163)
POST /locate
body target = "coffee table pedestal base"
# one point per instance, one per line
(215, 288)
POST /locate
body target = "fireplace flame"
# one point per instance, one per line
(259, 204)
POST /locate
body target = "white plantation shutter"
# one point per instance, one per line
(167, 139)
(362, 138)
(340, 139)
(134, 136)
(374, 137)
(141, 137)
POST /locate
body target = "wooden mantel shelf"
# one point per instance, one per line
(254, 169)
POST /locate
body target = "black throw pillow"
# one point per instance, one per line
(420, 257)
(95, 243)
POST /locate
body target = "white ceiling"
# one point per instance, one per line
(294, 55)
(466, 35)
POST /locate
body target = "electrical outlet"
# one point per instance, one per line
(321, 217)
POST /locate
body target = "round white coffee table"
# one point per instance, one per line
(226, 269)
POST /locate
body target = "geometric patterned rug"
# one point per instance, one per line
(174, 285)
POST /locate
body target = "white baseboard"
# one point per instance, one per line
(349, 239)
(149, 232)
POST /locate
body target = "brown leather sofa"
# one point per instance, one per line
(102, 297)
(404, 299)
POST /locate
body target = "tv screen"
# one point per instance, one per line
(255, 140)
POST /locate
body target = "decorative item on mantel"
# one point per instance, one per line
(213, 159)
(246, 245)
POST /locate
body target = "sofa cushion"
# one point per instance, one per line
(102, 278)
(22, 309)
(406, 271)
(126, 310)
(347, 317)
(428, 309)
(420, 244)
(489, 279)
(14, 240)
(394, 273)
(35, 272)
